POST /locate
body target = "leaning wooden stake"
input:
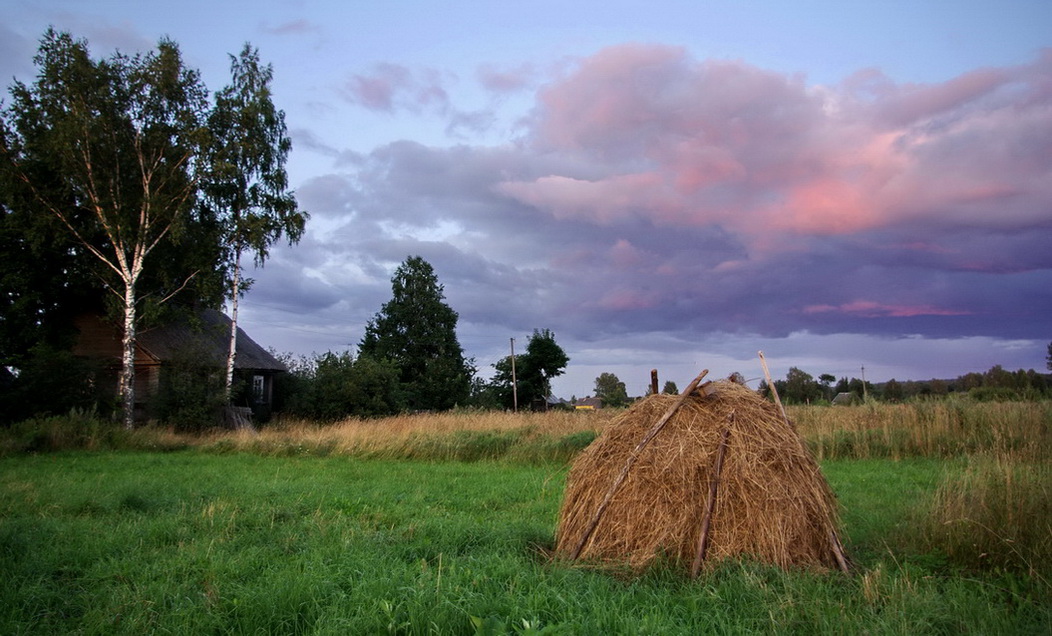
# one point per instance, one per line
(710, 504)
(654, 430)
(834, 540)
(774, 390)
(838, 552)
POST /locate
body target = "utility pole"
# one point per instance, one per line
(865, 395)
(514, 383)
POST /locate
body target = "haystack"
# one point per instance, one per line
(765, 498)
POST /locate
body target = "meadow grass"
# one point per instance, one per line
(199, 542)
(951, 427)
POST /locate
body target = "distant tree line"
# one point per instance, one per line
(800, 387)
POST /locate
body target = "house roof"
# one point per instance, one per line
(209, 331)
(844, 398)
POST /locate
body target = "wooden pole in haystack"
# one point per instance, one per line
(654, 430)
(653, 382)
(834, 540)
(710, 503)
(774, 390)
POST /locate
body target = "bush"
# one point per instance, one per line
(333, 386)
(994, 394)
(192, 394)
(79, 429)
(52, 382)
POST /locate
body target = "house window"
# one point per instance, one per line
(257, 388)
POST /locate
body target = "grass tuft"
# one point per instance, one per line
(996, 515)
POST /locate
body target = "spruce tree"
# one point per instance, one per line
(416, 330)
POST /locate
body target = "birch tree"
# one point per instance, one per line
(248, 186)
(112, 149)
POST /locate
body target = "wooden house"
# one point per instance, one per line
(588, 404)
(204, 335)
(846, 399)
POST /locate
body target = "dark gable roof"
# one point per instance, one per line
(209, 331)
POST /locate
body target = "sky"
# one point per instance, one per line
(854, 188)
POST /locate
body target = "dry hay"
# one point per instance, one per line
(772, 504)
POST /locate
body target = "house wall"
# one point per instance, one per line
(100, 340)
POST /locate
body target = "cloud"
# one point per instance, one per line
(506, 81)
(291, 27)
(696, 210)
(681, 142)
(389, 87)
(871, 309)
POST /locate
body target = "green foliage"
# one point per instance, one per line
(994, 394)
(92, 144)
(416, 331)
(893, 391)
(799, 388)
(332, 386)
(247, 184)
(670, 388)
(77, 429)
(544, 360)
(190, 397)
(52, 382)
(498, 391)
(44, 280)
(110, 152)
(611, 390)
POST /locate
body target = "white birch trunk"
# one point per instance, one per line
(232, 355)
(127, 384)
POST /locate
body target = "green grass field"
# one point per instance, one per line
(199, 542)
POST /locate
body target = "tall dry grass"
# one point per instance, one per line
(463, 435)
(996, 514)
(939, 429)
(944, 428)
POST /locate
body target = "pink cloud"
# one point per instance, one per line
(376, 91)
(505, 81)
(910, 103)
(870, 309)
(392, 86)
(607, 201)
(623, 254)
(626, 300)
(656, 135)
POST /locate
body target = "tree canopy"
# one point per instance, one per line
(112, 151)
(611, 390)
(122, 187)
(544, 359)
(416, 330)
(247, 187)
